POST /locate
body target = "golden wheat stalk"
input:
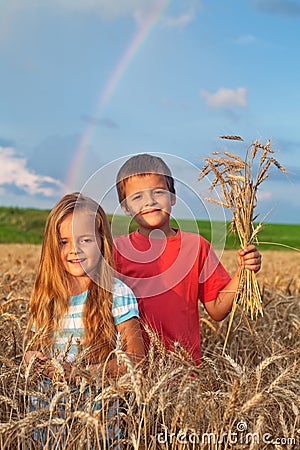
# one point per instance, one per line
(238, 181)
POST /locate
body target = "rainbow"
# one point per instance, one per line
(111, 85)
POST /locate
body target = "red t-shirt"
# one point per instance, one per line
(168, 276)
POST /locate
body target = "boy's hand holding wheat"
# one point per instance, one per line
(238, 181)
(250, 258)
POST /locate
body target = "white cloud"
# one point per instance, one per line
(140, 10)
(226, 97)
(179, 21)
(13, 171)
(143, 12)
(181, 16)
(108, 9)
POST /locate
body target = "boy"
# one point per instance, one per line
(169, 270)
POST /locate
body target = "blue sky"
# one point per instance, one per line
(198, 70)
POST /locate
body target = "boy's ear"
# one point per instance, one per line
(125, 208)
(173, 199)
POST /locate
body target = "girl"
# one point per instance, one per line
(75, 296)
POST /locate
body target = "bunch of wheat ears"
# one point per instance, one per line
(239, 181)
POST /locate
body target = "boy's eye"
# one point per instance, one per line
(136, 197)
(159, 191)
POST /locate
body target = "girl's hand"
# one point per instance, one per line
(40, 358)
(68, 372)
(250, 258)
(40, 362)
(52, 372)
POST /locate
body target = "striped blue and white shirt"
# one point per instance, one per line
(124, 307)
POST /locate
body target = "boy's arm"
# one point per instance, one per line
(221, 306)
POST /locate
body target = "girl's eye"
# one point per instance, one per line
(88, 240)
(62, 242)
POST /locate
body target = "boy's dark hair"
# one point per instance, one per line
(142, 165)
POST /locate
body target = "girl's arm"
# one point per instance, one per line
(221, 306)
(132, 344)
(132, 339)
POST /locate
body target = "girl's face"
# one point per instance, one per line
(79, 247)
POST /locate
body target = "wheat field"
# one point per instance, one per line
(246, 399)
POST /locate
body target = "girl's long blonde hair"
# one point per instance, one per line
(50, 297)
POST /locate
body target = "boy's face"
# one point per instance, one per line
(149, 202)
